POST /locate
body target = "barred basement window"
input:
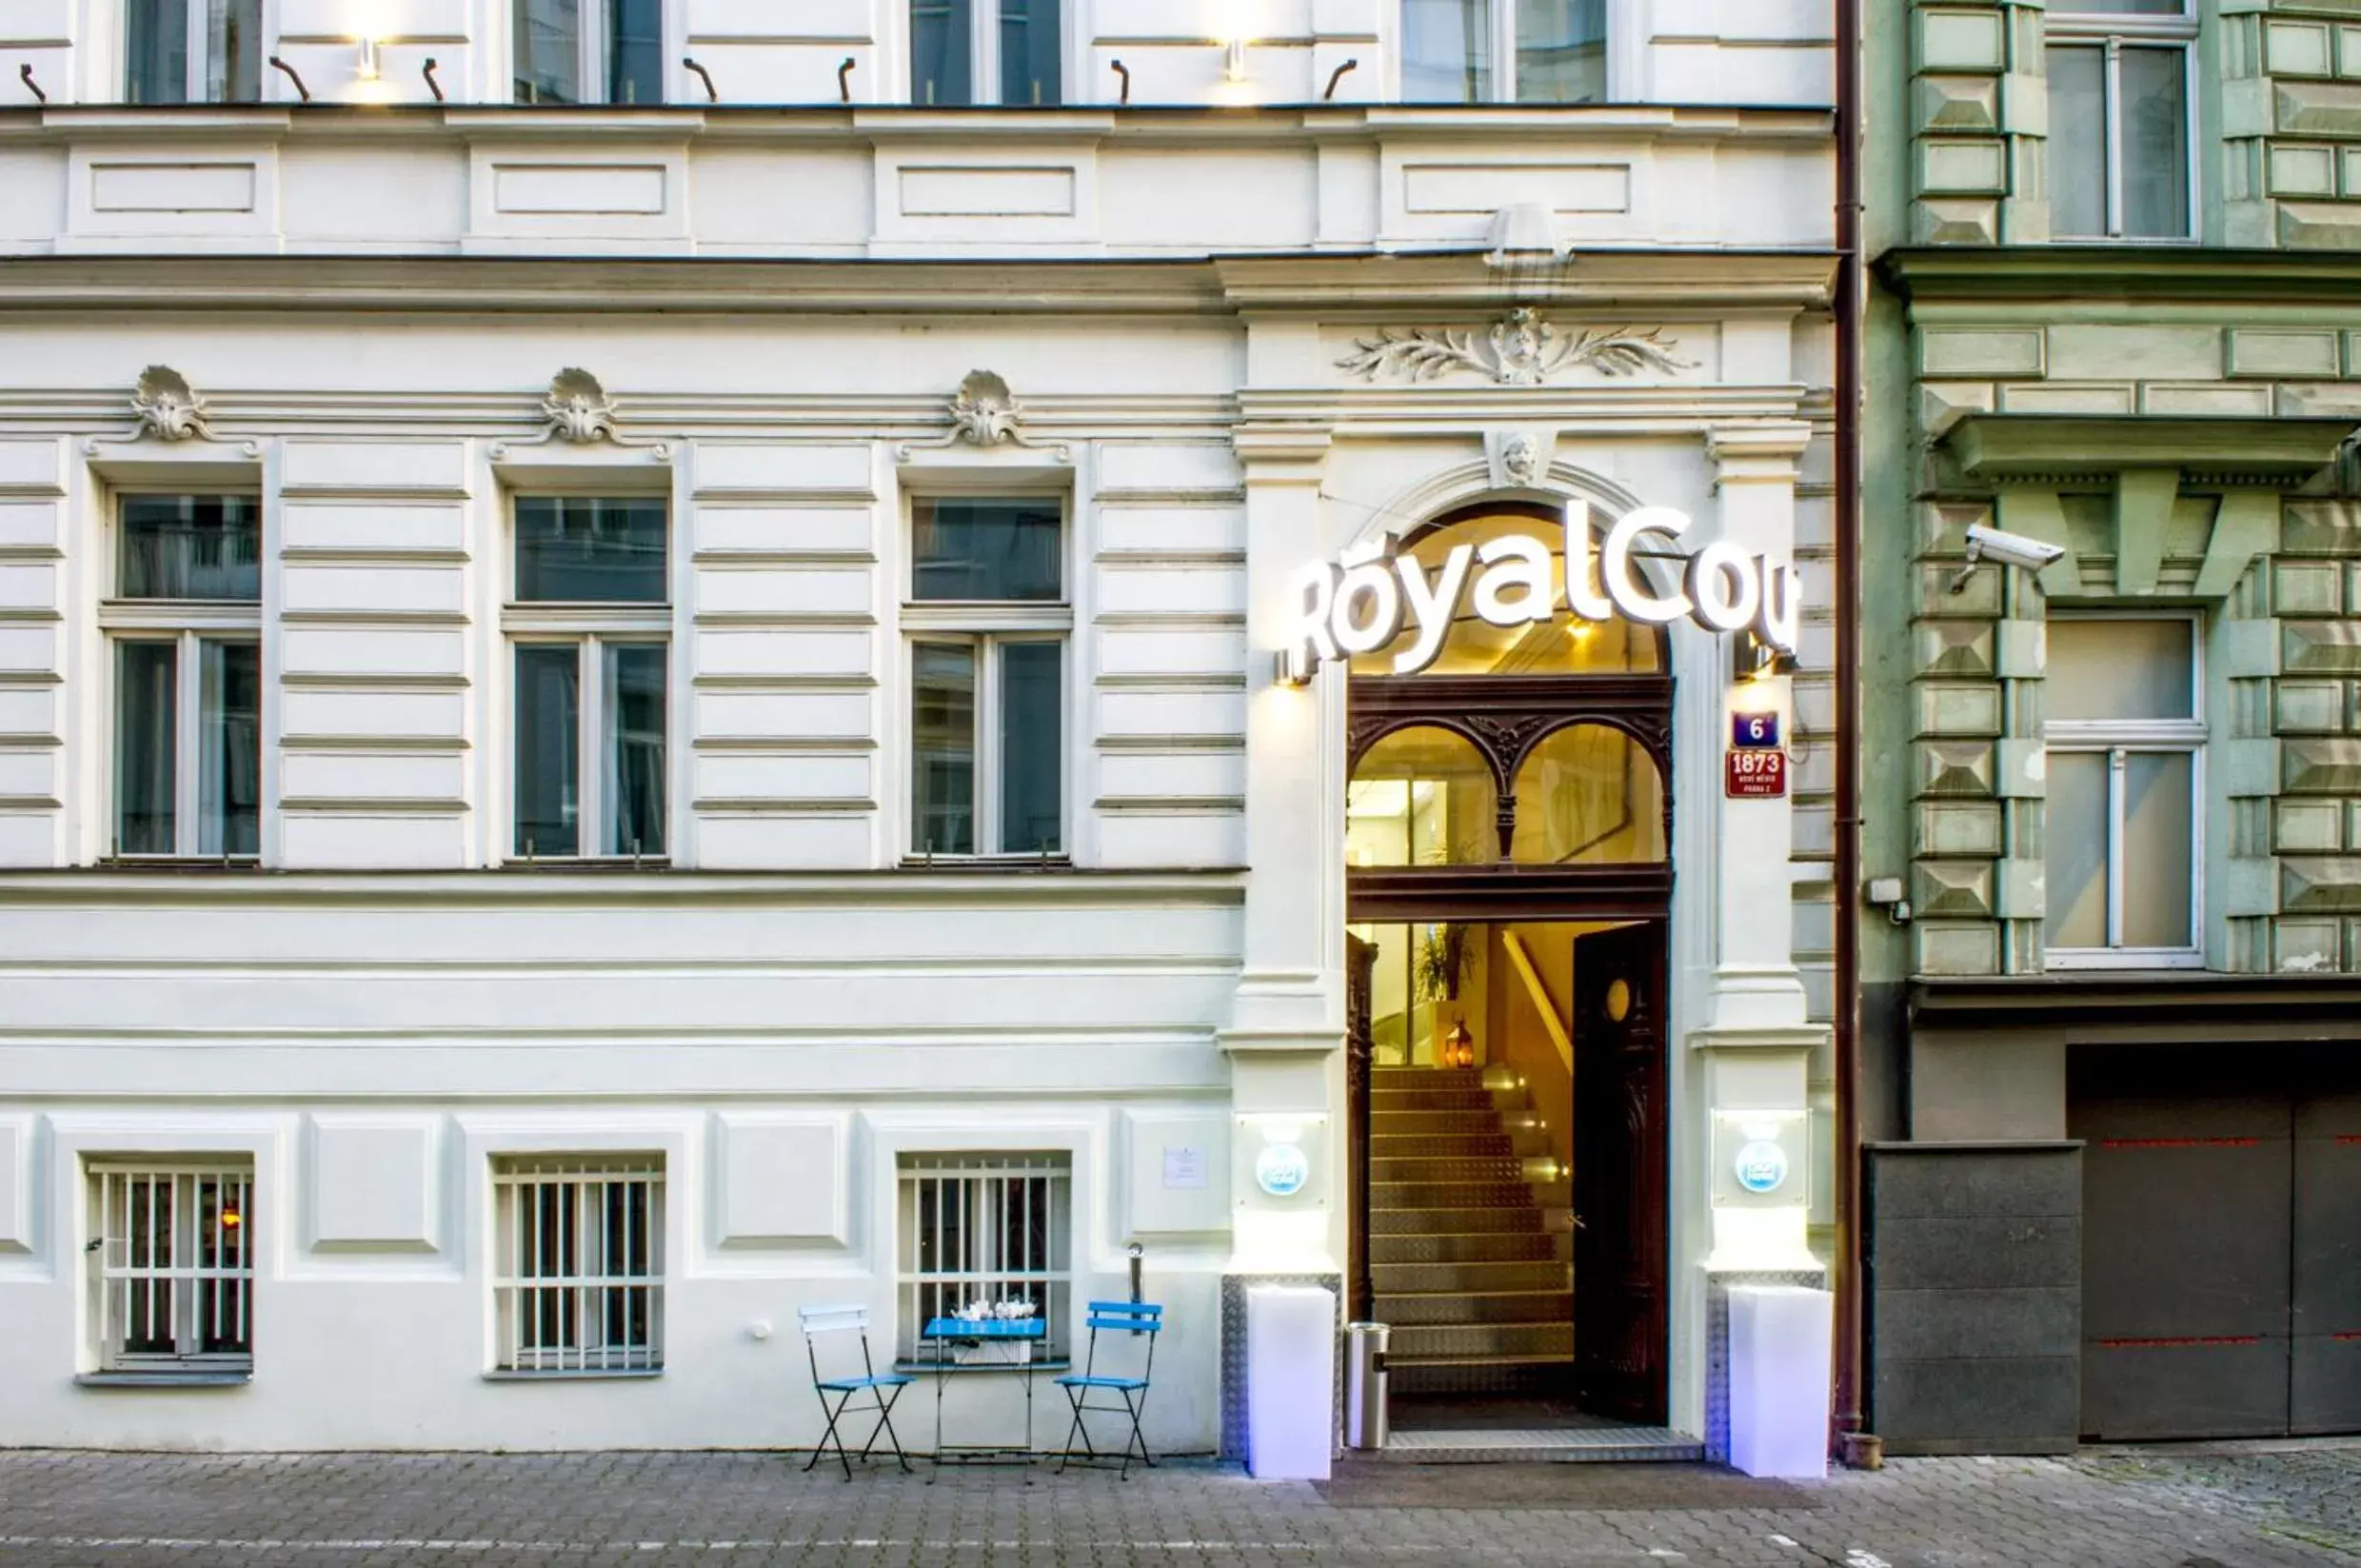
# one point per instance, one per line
(978, 1229)
(175, 1256)
(578, 1263)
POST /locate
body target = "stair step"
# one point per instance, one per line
(1511, 1194)
(1476, 1097)
(1464, 1342)
(1466, 1310)
(1420, 1078)
(1465, 1123)
(1468, 1145)
(1437, 1222)
(1499, 1169)
(1470, 1277)
(1462, 1246)
(1543, 1376)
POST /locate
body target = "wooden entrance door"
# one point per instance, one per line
(1620, 1308)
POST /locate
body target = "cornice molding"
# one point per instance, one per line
(1367, 288)
(1228, 123)
(2079, 273)
(2041, 447)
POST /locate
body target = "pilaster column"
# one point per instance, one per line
(1286, 1030)
(1757, 1042)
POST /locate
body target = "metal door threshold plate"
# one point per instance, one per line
(1543, 1445)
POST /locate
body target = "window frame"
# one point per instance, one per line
(989, 625)
(999, 1167)
(1501, 36)
(200, 61)
(983, 57)
(2117, 740)
(593, 1171)
(591, 626)
(183, 1281)
(593, 55)
(186, 625)
(2112, 32)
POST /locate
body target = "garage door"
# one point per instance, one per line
(2222, 1240)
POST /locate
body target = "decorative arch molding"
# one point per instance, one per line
(1468, 486)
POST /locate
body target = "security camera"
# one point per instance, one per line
(2014, 549)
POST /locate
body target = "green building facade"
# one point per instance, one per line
(2110, 925)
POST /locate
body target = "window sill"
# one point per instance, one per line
(987, 864)
(582, 1375)
(241, 864)
(225, 1378)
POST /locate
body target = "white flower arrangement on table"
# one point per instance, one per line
(995, 1352)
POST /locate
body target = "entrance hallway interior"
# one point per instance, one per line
(1479, 1228)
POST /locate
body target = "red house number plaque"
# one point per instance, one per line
(1755, 775)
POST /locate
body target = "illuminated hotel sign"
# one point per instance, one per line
(1360, 602)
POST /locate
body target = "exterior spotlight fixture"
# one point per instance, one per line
(368, 68)
(1289, 669)
(1234, 70)
(1753, 658)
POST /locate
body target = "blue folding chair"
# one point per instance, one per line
(1133, 1318)
(838, 1394)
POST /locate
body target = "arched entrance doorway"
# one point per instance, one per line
(1507, 888)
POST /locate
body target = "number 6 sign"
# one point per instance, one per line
(1754, 731)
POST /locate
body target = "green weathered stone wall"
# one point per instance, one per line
(2273, 560)
(2280, 133)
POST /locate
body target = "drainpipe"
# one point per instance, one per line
(1847, 1394)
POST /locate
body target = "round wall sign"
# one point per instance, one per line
(1619, 1000)
(1761, 1166)
(1281, 1169)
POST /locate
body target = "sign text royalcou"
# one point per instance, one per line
(1361, 602)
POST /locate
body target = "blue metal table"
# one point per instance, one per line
(1014, 1343)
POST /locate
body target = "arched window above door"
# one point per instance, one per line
(1422, 796)
(1565, 644)
(1588, 795)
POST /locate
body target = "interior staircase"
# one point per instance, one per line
(1470, 1235)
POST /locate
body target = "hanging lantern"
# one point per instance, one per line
(1459, 1046)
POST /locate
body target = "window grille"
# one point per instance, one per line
(579, 1269)
(176, 1266)
(978, 1229)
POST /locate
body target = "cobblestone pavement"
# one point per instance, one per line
(2225, 1507)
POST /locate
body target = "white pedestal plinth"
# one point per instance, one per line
(1779, 1349)
(1291, 1381)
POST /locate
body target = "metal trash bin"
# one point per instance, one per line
(1364, 1384)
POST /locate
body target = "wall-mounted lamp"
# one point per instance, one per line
(1234, 69)
(1753, 658)
(367, 71)
(1886, 893)
(1290, 668)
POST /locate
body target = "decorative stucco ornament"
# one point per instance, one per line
(169, 410)
(579, 412)
(986, 413)
(1518, 455)
(1520, 349)
(1521, 460)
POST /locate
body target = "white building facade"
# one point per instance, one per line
(617, 720)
